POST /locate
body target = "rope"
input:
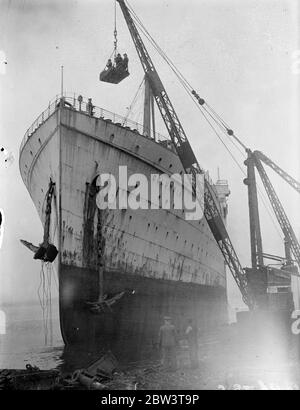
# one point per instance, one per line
(188, 87)
(49, 301)
(45, 298)
(260, 192)
(129, 109)
(42, 299)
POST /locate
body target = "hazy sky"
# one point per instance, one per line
(237, 54)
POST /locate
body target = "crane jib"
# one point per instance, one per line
(186, 154)
(290, 180)
(278, 209)
(217, 228)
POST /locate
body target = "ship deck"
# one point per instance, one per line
(82, 106)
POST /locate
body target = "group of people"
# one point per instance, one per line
(168, 343)
(119, 62)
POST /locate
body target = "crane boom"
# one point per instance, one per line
(290, 180)
(188, 160)
(278, 209)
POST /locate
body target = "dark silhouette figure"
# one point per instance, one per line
(191, 334)
(168, 344)
(125, 61)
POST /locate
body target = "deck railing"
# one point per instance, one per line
(78, 103)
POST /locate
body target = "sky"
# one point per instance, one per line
(241, 56)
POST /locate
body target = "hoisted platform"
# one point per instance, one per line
(113, 75)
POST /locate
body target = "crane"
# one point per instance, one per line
(189, 161)
(261, 277)
(290, 180)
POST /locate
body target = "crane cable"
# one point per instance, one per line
(216, 117)
(115, 32)
(263, 197)
(202, 105)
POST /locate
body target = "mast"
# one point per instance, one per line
(255, 232)
(147, 108)
(149, 115)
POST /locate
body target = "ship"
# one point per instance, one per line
(120, 271)
(159, 262)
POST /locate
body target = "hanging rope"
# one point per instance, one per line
(49, 301)
(45, 286)
(187, 86)
(45, 298)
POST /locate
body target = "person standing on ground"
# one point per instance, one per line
(168, 344)
(191, 334)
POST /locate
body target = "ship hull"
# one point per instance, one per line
(158, 262)
(130, 329)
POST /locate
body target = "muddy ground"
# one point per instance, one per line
(228, 360)
(232, 358)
